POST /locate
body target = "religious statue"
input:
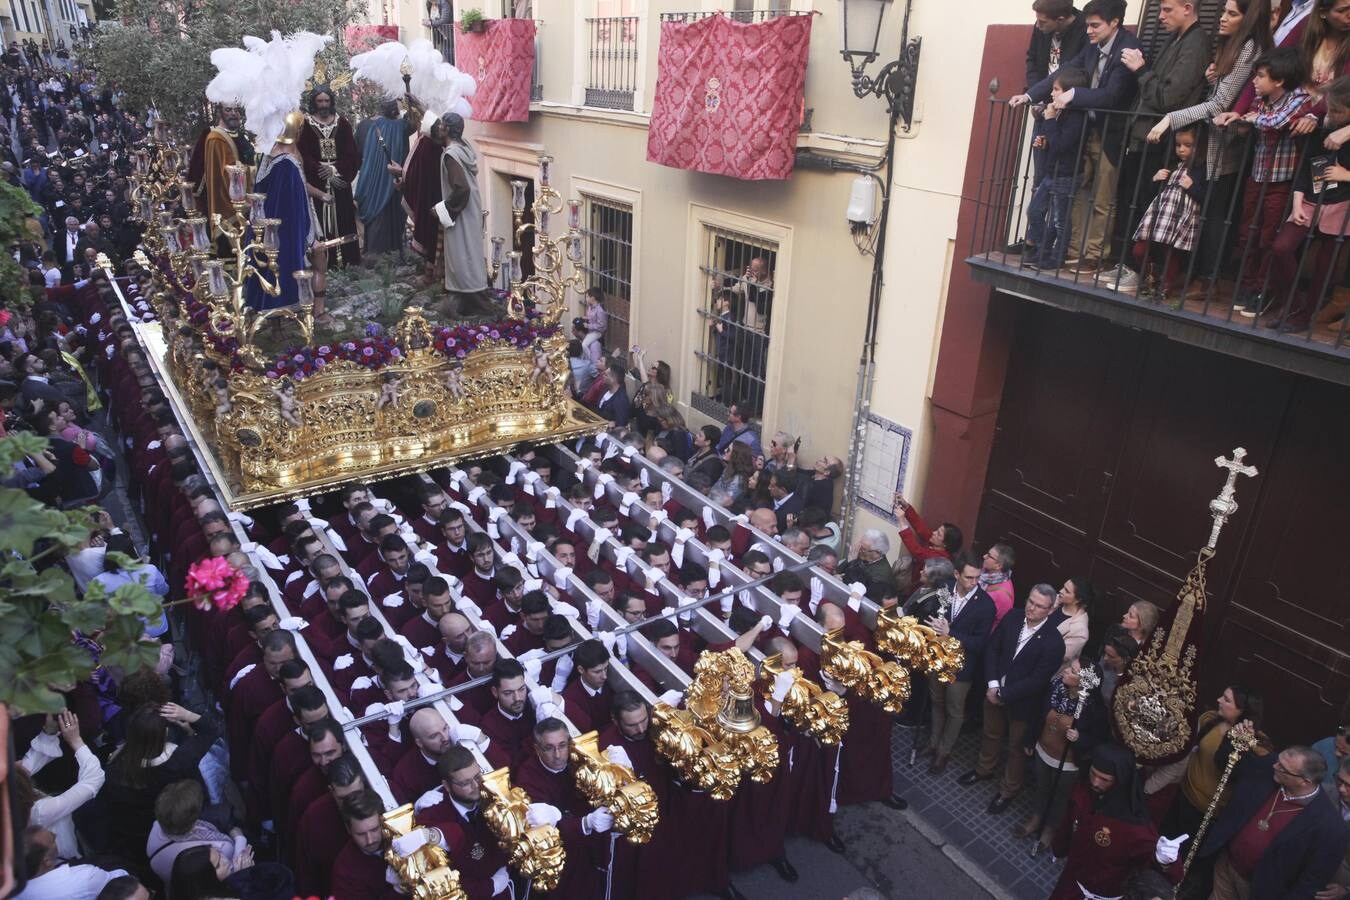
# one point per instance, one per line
(454, 380)
(281, 177)
(389, 389)
(287, 405)
(221, 389)
(540, 374)
(328, 148)
(382, 139)
(420, 185)
(223, 144)
(461, 215)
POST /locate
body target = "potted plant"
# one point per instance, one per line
(472, 20)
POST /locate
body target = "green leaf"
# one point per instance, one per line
(18, 444)
(134, 599)
(23, 521)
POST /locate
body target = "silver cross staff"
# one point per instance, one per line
(1223, 506)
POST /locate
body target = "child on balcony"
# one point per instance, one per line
(1169, 227)
(595, 316)
(1276, 78)
(1048, 215)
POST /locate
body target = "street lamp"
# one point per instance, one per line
(861, 27)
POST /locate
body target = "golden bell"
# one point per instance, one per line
(738, 714)
(295, 121)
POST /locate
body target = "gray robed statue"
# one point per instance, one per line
(461, 215)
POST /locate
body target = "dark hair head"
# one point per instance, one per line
(344, 771)
(1055, 9)
(1287, 65)
(1068, 78)
(556, 628)
(504, 669)
(454, 759)
(146, 730)
(307, 698)
(178, 806)
(1251, 702)
(361, 805)
(123, 887)
(194, 877)
(589, 654)
(1106, 10)
(317, 731)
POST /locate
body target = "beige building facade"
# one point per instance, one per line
(662, 242)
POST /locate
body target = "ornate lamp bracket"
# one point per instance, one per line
(895, 82)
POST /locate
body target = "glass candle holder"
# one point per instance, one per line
(304, 285)
(186, 197)
(165, 219)
(271, 236)
(215, 278)
(515, 265)
(200, 239)
(142, 161)
(545, 170)
(256, 210)
(147, 210)
(238, 181)
(497, 245)
(574, 248)
(545, 219)
(198, 268)
(517, 195)
(573, 213)
(170, 236)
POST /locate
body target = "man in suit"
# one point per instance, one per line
(788, 498)
(66, 246)
(1280, 835)
(613, 403)
(969, 619)
(1111, 86)
(1019, 661)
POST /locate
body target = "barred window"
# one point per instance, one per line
(736, 311)
(608, 263)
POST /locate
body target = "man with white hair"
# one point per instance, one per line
(869, 564)
(65, 245)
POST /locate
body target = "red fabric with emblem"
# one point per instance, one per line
(501, 60)
(729, 96)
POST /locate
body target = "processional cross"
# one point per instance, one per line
(1223, 506)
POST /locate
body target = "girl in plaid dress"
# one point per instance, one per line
(1168, 230)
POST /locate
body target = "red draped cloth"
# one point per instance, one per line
(421, 191)
(729, 96)
(501, 59)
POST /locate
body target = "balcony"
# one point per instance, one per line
(612, 62)
(738, 15)
(1292, 316)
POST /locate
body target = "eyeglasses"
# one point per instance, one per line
(1279, 767)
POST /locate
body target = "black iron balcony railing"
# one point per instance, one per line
(612, 62)
(1266, 294)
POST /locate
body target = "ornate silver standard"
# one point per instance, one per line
(1154, 710)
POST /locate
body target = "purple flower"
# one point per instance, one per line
(325, 350)
(273, 375)
(299, 357)
(348, 346)
(369, 351)
(495, 334)
(321, 362)
(395, 352)
(459, 354)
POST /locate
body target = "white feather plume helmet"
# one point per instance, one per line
(437, 85)
(266, 78)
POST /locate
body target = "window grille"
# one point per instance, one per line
(609, 263)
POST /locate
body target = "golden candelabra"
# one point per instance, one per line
(424, 874)
(717, 739)
(534, 853)
(615, 787)
(155, 185)
(820, 713)
(1242, 737)
(918, 646)
(1154, 708)
(883, 682)
(546, 290)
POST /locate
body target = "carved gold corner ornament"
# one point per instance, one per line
(919, 647)
(717, 739)
(1154, 709)
(882, 682)
(820, 713)
(603, 783)
(425, 874)
(533, 853)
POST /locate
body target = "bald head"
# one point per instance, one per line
(830, 616)
(430, 731)
(765, 520)
(786, 650)
(455, 630)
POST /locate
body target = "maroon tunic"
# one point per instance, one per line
(452, 560)
(1102, 850)
(759, 812)
(587, 712)
(865, 771)
(513, 738)
(289, 761)
(413, 776)
(356, 876)
(811, 781)
(422, 180)
(648, 766)
(310, 786)
(249, 698)
(474, 852)
(692, 857)
(583, 875)
(420, 632)
(319, 837)
(480, 590)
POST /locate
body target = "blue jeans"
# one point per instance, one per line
(1048, 220)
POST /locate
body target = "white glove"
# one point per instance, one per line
(531, 479)
(622, 556)
(393, 601)
(515, 469)
(582, 465)
(495, 513)
(671, 698)
(501, 880)
(533, 584)
(476, 494)
(666, 491)
(561, 673)
(507, 632)
(393, 712)
(709, 520)
(561, 576)
(574, 517)
(541, 697)
(599, 819)
(655, 519)
(629, 452)
(746, 598)
(683, 535)
(468, 734)
(463, 510)
(345, 661)
(1169, 849)
(653, 576)
(644, 479)
(512, 560)
(293, 623)
(619, 756)
(620, 648)
(426, 558)
(411, 842)
(532, 669)
(726, 603)
(817, 592)
(537, 814)
(458, 478)
(551, 497)
(566, 610)
(604, 479)
(765, 623)
(626, 502)
(777, 564)
(607, 638)
(786, 614)
(592, 614)
(740, 519)
(533, 549)
(856, 591)
(782, 683)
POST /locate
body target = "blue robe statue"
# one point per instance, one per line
(282, 179)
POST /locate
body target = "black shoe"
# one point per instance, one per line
(1016, 248)
(973, 777)
(835, 844)
(732, 894)
(785, 870)
(998, 805)
(895, 801)
(1254, 305)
